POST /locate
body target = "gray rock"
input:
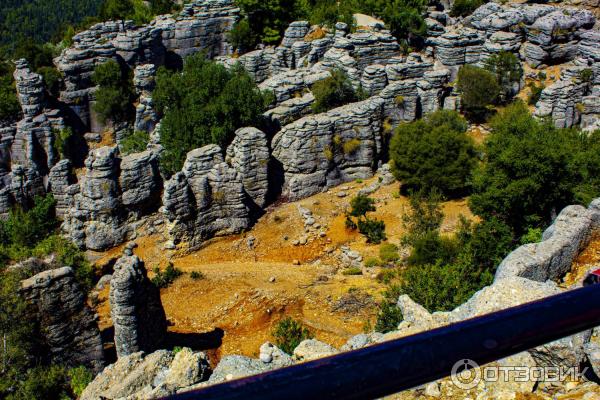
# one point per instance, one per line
(233, 367)
(136, 310)
(66, 324)
(312, 349)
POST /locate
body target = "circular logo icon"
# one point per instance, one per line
(466, 374)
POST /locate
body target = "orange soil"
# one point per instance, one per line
(589, 258)
(236, 294)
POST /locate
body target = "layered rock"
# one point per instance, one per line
(135, 308)
(66, 324)
(249, 154)
(205, 199)
(145, 115)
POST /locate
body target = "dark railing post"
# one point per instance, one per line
(408, 362)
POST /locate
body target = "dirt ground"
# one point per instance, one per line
(246, 290)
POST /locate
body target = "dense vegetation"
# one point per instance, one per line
(115, 95)
(23, 374)
(204, 104)
(266, 21)
(333, 92)
(434, 153)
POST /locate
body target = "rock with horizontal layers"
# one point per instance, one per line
(206, 199)
(248, 154)
(67, 325)
(136, 310)
(553, 256)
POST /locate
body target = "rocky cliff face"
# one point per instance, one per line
(136, 310)
(65, 322)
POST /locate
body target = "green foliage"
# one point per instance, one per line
(533, 235)
(241, 36)
(333, 92)
(388, 253)
(373, 229)
(9, 104)
(79, 378)
(164, 279)
(533, 170)
(268, 19)
(352, 271)
(51, 79)
(479, 89)
(389, 316)
(205, 104)
(43, 383)
(63, 142)
(586, 75)
(434, 153)
(431, 248)
(361, 205)
(425, 215)
(536, 93)
(27, 228)
(508, 70)
(288, 333)
(197, 275)
(462, 8)
(135, 10)
(134, 142)
(115, 95)
(372, 262)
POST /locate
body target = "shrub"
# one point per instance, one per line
(80, 377)
(241, 36)
(134, 142)
(197, 275)
(350, 224)
(431, 248)
(507, 68)
(9, 104)
(434, 153)
(352, 271)
(205, 104)
(479, 89)
(536, 93)
(288, 333)
(462, 8)
(372, 262)
(361, 205)
(114, 96)
(333, 92)
(533, 235)
(63, 142)
(586, 75)
(388, 317)
(351, 146)
(373, 229)
(27, 228)
(388, 253)
(165, 279)
(425, 215)
(51, 79)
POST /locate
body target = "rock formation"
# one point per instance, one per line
(136, 310)
(66, 324)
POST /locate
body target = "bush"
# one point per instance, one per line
(388, 253)
(479, 89)
(52, 80)
(536, 93)
(352, 271)
(288, 334)
(372, 262)
(9, 104)
(351, 146)
(205, 104)
(434, 153)
(25, 229)
(63, 142)
(361, 205)
(462, 8)
(333, 92)
(165, 279)
(80, 377)
(431, 248)
(586, 75)
(197, 275)
(508, 71)
(134, 142)
(533, 235)
(42, 383)
(114, 96)
(388, 317)
(241, 36)
(373, 229)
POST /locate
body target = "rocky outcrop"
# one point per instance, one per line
(326, 149)
(135, 308)
(205, 199)
(249, 154)
(112, 190)
(141, 376)
(553, 256)
(145, 115)
(66, 325)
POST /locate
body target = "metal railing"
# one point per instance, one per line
(405, 363)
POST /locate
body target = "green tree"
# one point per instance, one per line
(508, 70)
(361, 205)
(434, 153)
(288, 333)
(241, 36)
(530, 171)
(114, 96)
(333, 92)
(204, 104)
(462, 8)
(9, 104)
(268, 18)
(479, 89)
